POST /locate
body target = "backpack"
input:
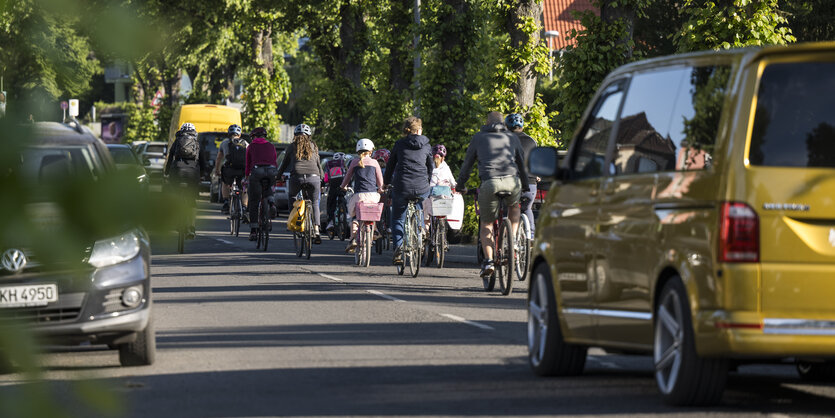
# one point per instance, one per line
(237, 156)
(336, 169)
(188, 149)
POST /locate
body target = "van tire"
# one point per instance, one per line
(684, 378)
(548, 353)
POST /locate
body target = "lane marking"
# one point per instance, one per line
(225, 241)
(384, 296)
(465, 321)
(336, 279)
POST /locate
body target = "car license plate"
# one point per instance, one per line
(29, 295)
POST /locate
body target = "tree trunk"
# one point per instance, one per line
(262, 44)
(400, 58)
(352, 34)
(451, 45)
(609, 13)
(525, 86)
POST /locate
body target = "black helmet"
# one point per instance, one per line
(259, 132)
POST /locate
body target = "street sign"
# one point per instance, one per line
(65, 105)
(73, 108)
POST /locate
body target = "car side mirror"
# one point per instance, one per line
(544, 162)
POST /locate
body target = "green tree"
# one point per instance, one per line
(725, 24)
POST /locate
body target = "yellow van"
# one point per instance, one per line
(212, 123)
(693, 219)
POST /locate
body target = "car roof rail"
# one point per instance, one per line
(75, 124)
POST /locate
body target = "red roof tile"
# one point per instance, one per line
(557, 16)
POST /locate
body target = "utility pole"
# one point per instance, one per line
(416, 45)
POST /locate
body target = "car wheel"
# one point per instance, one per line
(142, 351)
(816, 372)
(684, 378)
(548, 353)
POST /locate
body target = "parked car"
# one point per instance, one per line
(282, 200)
(128, 162)
(153, 157)
(693, 219)
(101, 295)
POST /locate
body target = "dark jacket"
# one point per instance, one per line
(186, 170)
(410, 166)
(528, 144)
(499, 154)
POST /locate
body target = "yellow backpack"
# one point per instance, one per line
(295, 222)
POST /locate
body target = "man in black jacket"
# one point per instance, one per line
(182, 167)
(408, 171)
(501, 166)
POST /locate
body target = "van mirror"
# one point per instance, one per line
(544, 162)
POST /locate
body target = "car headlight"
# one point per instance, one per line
(115, 250)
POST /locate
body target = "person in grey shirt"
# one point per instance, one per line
(501, 168)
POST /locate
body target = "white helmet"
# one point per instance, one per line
(365, 144)
(338, 156)
(187, 127)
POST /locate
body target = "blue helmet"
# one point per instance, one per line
(514, 120)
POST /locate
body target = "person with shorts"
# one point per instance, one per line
(230, 164)
(501, 166)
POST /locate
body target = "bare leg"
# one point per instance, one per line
(515, 214)
(486, 233)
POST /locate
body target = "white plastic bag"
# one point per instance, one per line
(456, 218)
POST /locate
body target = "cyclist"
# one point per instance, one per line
(230, 164)
(441, 176)
(183, 166)
(408, 172)
(500, 168)
(368, 184)
(302, 160)
(334, 173)
(515, 123)
(260, 164)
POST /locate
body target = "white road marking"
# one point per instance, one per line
(384, 296)
(465, 321)
(225, 241)
(336, 279)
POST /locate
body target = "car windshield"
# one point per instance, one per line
(155, 148)
(122, 155)
(794, 125)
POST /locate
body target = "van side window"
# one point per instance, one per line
(794, 123)
(670, 118)
(591, 154)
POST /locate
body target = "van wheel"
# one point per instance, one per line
(548, 353)
(142, 351)
(816, 372)
(683, 377)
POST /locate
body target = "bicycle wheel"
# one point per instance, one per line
(368, 231)
(298, 243)
(416, 244)
(308, 233)
(522, 248)
(440, 242)
(428, 246)
(265, 222)
(505, 258)
(479, 251)
(360, 246)
(343, 230)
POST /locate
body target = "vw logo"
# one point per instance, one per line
(14, 260)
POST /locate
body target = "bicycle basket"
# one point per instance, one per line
(369, 211)
(441, 206)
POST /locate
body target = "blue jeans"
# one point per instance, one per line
(398, 214)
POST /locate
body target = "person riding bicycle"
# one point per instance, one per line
(368, 184)
(260, 164)
(302, 159)
(334, 174)
(183, 166)
(441, 176)
(230, 164)
(501, 165)
(515, 123)
(408, 172)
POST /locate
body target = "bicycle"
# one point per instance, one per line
(383, 242)
(503, 248)
(523, 244)
(303, 241)
(437, 245)
(412, 245)
(265, 222)
(367, 214)
(236, 208)
(341, 227)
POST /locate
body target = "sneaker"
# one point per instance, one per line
(225, 208)
(317, 239)
(352, 246)
(253, 234)
(329, 228)
(398, 257)
(487, 269)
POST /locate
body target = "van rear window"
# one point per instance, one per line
(794, 123)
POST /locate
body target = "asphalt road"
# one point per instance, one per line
(247, 333)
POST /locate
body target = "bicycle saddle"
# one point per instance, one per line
(502, 195)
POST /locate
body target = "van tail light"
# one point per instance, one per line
(739, 237)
